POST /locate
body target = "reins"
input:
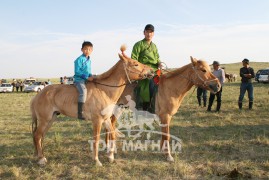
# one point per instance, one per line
(124, 84)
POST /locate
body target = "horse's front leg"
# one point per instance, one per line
(165, 146)
(97, 125)
(111, 144)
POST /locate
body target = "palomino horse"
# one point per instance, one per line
(105, 90)
(173, 87)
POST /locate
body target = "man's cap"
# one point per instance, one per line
(149, 27)
(246, 61)
(216, 63)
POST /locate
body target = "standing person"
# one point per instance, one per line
(17, 86)
(219, 73)
(246, 74)
(49, 82)
(82, 74)
(200, 92)
(13, 84)
(65, 80)
(21, 86)
(61, 80)
(146, 52)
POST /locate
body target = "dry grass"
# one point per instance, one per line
(229, 144)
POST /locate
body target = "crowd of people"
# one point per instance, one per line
(246, 74)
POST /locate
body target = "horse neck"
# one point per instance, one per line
(116, 76)
(177, 85)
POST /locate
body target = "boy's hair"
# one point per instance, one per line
(86, 43)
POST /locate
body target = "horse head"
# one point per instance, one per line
(202, 76)
(135, 70)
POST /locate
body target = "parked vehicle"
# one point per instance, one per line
(6, 87)
(264, 76)
(35, 87)
(257, 75)
(28, 82)
(70, 80)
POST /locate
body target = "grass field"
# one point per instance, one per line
(213, 144)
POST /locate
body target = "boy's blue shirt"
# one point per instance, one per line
(82, 68)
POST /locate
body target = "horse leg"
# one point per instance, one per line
(112, 138)
(165, 146)
(97, 125)
(39, 134)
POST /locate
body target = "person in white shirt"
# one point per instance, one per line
(219, 73)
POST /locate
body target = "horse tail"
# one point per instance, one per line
(34, 121)
(34, 117)
(109, 127)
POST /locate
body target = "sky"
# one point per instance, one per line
(43, 38)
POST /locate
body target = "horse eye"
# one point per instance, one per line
(203, 70)
(136, 65)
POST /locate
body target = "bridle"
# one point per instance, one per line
(205, 82)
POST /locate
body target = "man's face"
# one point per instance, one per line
(245, 64)
(215, 66)
(148, 35)
(87, 50)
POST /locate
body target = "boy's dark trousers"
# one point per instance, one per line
(211, 100)
(200, 92)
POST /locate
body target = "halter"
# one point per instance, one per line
(204, 81)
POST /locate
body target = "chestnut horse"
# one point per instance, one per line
(105, 90)
(173, 87)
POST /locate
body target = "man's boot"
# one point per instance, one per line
(240, 105)
(250, 105)
(218, 106)
(80, 109)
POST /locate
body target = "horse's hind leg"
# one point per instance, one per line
(39, 134)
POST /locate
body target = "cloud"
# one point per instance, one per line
(51, 54)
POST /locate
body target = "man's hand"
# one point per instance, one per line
(248, 75)
(90, 78)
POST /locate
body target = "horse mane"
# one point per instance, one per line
(108, 73)
(176, 71)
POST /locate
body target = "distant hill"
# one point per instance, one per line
(232, 68)
(235, 67)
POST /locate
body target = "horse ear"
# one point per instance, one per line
(122, 57)
(193, 61)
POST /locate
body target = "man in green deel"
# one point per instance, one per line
(146, 52)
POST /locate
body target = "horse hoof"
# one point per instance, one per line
(42, 161)
(98, 163)
(111, 160)
(170, 159)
